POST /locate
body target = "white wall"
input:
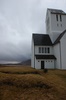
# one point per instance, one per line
(57, 55)
(32, 53)
(37, 64)
(49, 64)
(54, 27)
(48, 25)
(37, 50)
(57, 27)
(63, 51)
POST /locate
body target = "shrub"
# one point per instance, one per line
(45, 70)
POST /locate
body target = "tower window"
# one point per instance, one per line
(57, 17)
(60, 18)
(61, 25)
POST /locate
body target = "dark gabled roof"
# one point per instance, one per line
(59, 37)
(42, 39)
(56, 11)
(45, 57)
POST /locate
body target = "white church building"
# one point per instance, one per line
(49, 50)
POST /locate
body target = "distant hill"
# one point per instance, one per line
(27, 62)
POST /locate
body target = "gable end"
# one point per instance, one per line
(59, 37)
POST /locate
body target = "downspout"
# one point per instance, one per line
(60, 56)
(54, 59)
(34, 56)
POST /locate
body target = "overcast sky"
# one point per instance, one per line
(18, 20)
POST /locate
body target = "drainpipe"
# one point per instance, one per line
(34, 56)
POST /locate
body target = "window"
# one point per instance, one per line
(60, 18)
(61, 25)
(48, 50)
(57, 17)
(42, 50)
(39, 49)
(45, 50)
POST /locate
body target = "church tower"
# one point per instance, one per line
(55, 23)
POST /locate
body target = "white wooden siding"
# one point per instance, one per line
(32, 53)
(63, 52)
(57, 55)
(49, 64)
(37, 50)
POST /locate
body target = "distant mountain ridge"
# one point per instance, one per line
(26, 62)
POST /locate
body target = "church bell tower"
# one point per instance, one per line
(55, 23)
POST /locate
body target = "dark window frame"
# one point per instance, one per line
(48, 50)
(57, 17)
(60, 18)
(42, 49)
(39, 49)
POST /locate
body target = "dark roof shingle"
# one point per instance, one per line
(45, 57)
(42, 39)
(56, 11)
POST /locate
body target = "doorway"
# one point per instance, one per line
(42, 64)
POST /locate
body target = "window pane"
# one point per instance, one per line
(60, 18)
(48, 50)
(45, 50)
(42, 50)
(39, 49)
(57, 17)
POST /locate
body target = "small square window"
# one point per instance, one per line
(61, 25)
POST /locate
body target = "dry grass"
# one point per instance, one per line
(26, 83)
(18, 70)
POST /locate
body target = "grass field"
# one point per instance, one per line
(26, 83)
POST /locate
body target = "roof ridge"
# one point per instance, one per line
(56, 11)
(39, 34)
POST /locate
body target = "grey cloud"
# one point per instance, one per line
(18, 20)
